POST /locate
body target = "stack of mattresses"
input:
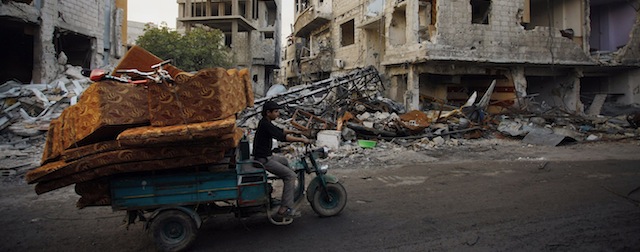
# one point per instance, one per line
(119, 128)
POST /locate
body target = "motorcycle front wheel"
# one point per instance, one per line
(330, 202)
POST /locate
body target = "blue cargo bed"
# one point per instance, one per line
(153, 191)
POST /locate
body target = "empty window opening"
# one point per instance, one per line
(611, 24)
(17, 58)
(268, 35)
(214, 9)
(347, 33)
(242, 9)
(272, 13)
(305, 48)
(198, 9)
(427, 19)
(76, 46)
(227, 40)
(480, 10)
(398, 88)
(227, 9)
(301, 5)
(398, 27)
(254, 9)
(564, 17)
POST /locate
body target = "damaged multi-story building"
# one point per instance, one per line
(91, 33)
(563, 53)
(251, 29)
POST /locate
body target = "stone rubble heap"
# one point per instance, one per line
(27, 110)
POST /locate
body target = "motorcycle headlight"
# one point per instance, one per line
(324, 168)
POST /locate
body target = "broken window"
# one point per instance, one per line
(301, 5)
(347, 33)
(398, 27)
(272, 13)
(17, 56)
(76, 46)
(304, 48)
(565, 16)
(427, 19)
(480, 10)
(611, 24)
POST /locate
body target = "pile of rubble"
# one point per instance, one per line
(350, 116)
(27, 110)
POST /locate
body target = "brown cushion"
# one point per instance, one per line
(144, 136)
(209, 95)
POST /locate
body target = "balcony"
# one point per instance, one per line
(310, 19)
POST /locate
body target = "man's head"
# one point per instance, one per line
(271, 110)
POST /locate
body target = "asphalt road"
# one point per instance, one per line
(488, 205)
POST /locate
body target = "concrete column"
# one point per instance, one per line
(234, 38)
(234, 8)
(249, 9)
(250, 49)
(208, 10)
(413, 22)
(520, 83)
(187, 8)
(221, 9)
(570, 92)
(45, 63)
(412, 96)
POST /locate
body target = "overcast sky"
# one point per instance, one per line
(157, 11)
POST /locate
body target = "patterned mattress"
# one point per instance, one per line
(120, 128)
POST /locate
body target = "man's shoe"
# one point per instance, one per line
(291, 213)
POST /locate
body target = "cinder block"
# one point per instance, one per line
(329, 138)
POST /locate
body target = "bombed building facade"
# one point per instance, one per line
(251, 30)
(565, 54)
(91, 33)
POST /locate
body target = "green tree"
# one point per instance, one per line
(199, 48)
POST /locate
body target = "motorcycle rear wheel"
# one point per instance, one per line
(173, 230)
(330, 202)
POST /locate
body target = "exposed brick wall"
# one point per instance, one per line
(86, 17)
(503, 40)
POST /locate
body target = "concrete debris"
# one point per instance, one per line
(27, 109)
(25, 113)
(370, 116)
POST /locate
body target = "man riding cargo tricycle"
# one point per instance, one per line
(172, 204)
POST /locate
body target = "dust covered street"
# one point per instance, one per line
(505, 196)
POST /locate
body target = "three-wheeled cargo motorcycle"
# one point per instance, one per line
(172, 204)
